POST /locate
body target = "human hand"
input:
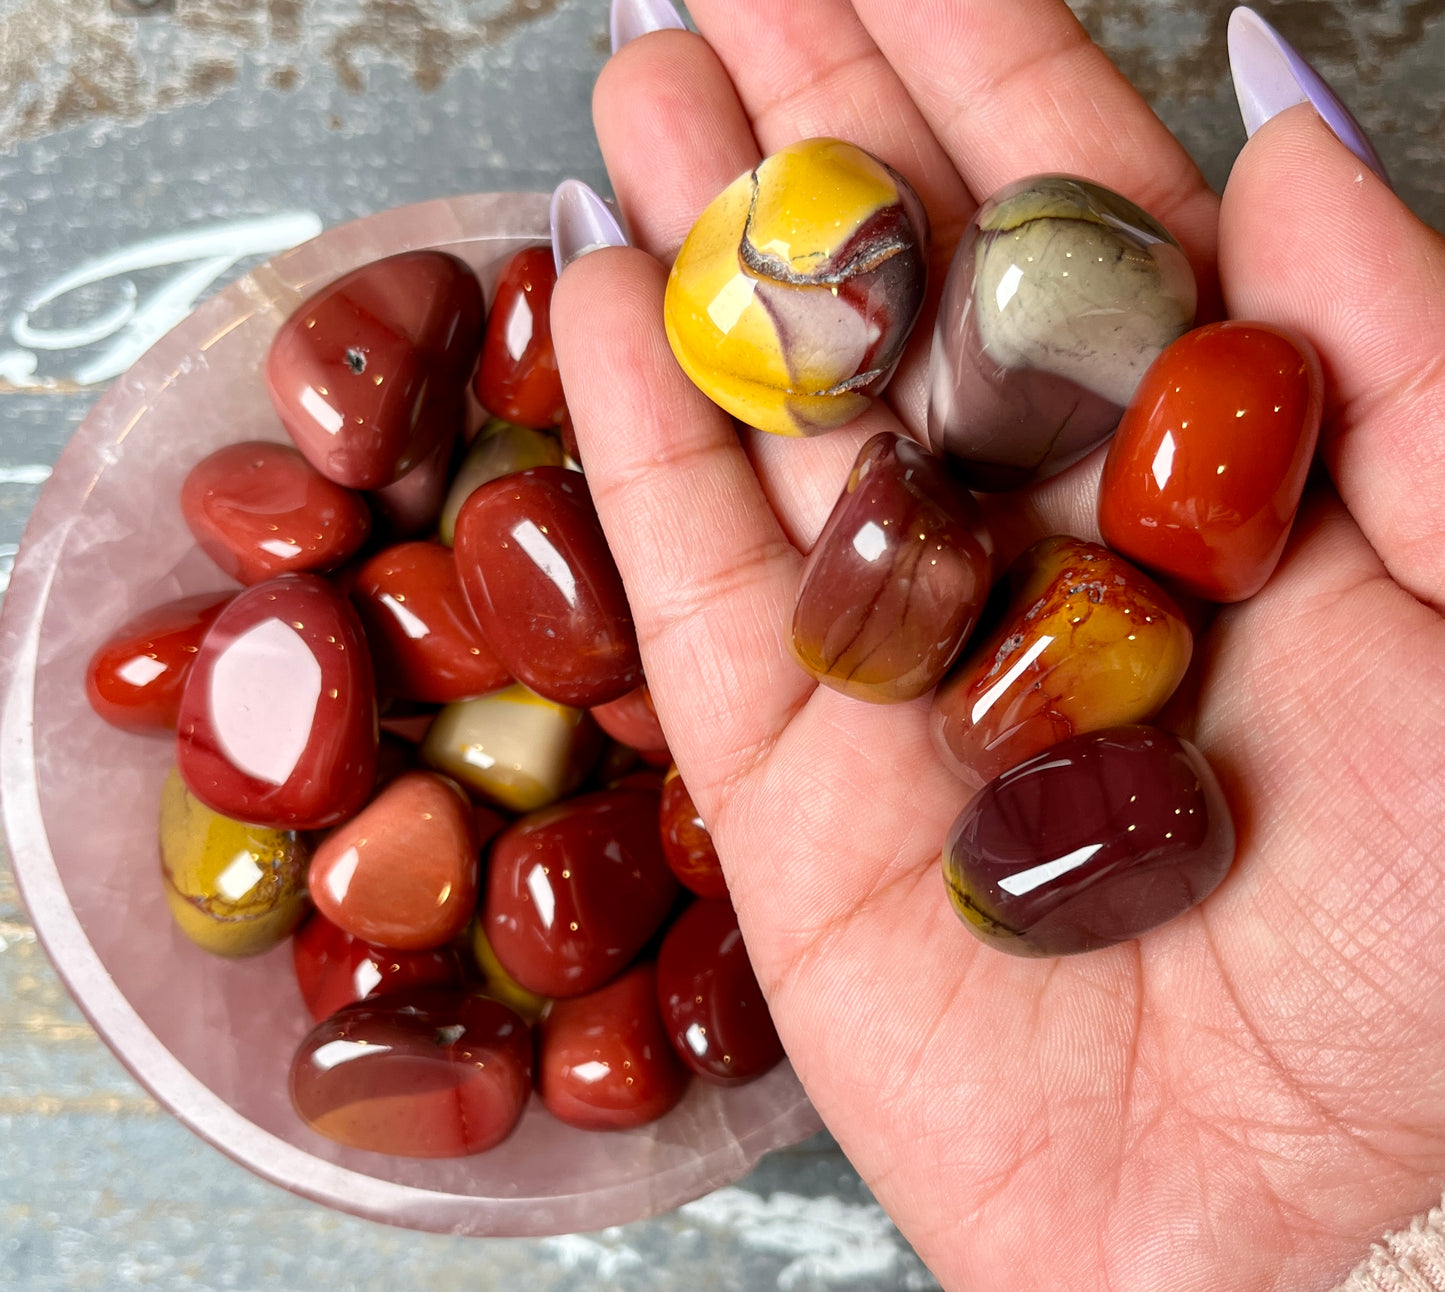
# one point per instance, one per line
(1249, 1095)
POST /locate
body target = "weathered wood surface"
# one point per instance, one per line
(114, 130)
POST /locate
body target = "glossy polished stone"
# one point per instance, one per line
(424, 641)
(897, 578)
(517, 378)
(604, 1061)
(277, 724)
(513, 748)
(1087, 641)
(420, 1074)
(541, 582)
(500, 449)
(499, 984)
(233, 889)
(632, 720)
(686, 842)
(1093, 842)
(575, 891)
(135, 678)
(712, 1006)
(1060, 295)
(402, 873)
(335, 969)
(369, 374)
(260, 509)
(1205, 474)
(791, 300)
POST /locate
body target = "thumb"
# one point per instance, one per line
(1312, 238)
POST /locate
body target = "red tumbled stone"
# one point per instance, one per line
(369, 374)
(277, 725)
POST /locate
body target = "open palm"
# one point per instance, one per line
(1246, 1097)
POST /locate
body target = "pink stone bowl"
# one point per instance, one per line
(212, 1039)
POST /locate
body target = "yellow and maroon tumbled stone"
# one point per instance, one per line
(1087, 642)
(790, 301)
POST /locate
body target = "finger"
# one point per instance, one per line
(1311, 240)
(709, 573)
(803, 70)
(673, 135)
(1016, 89)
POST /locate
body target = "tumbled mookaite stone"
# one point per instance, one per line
(260, 509)
(403, 872)
(712, 1006)
(412, 505)
(792, 297)
(604, 1061)
(1093, 842)
(513, 747)
(499, 450)
(541, 582)
(575, 891)
(334, 969)
(1086, 642)
(687, 842)
(423, 638)
(137, 676)
(234, 889)
(1060, 295)
(632, 721)
(897, 578)
(1205, 475)
(517, 376)
(370, 373)
(422, 1074)
(278, 721)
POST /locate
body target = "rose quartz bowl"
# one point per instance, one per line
(212, 1039)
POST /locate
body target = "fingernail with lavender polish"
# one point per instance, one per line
(634, 18)
(581, 222)
(1270, 75)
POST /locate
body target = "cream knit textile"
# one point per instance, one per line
(1412, 1260)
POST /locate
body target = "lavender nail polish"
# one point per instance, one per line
(1270, 75)
(634, 18)
(581, 222)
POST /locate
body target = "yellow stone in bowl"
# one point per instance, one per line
(234, 889)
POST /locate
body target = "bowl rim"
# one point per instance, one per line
(37, 874)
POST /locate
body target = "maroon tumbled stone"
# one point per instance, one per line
(422, 1074)
(541, 582)
(712, 1006)
(896, 580)
(369, 374)
(1094, 841)
(575, 891)
(604, 1061)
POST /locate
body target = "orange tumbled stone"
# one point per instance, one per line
(1205, 472)
(402, 873)
(1087, 642)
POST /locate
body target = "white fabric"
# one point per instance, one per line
(1412, 1260)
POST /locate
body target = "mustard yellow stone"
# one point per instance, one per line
(513, 747)
(794, 293)
(234, 889)
(500, 985)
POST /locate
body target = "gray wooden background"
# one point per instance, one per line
(149, 128)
